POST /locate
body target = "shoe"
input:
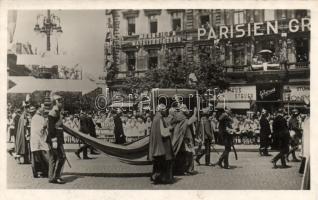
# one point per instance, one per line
(87, 158)
(57, 181)
(197, 160)
(10, 151)
(285, 166)
(95, 153)
(267, 154)
(78, 155)
(219, 164)
(274, 164)
(226, 167)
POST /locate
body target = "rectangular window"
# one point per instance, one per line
(153, 59)
(205, 20)
(177, 52)
(300, 14)
(258, 16)
(153, 24)
(176, 24)
(281, 14)
(238, 54)
(269, 15)
(239, 16)
(131, 61)
(131, 26)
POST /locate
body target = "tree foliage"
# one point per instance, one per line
(175, 74)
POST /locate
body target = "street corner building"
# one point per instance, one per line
(265, 54)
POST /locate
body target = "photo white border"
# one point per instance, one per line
(5, 193)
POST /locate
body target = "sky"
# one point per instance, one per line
(82, 39)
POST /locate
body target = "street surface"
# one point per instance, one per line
(250, 171)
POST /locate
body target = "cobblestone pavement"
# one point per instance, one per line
(249, 172)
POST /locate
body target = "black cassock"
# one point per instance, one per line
(120, 137)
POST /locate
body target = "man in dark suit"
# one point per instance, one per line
(265, 132)
(120, 137)
(84, 128)
(281, 129)
(55, 141)
(206, 134)
(225, 126)
(92, 131)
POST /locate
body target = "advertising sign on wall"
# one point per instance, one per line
(240, 93)
(297, 93)
(268, 92)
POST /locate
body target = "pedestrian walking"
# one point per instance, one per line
(160, 149)
(84, 128)
(280, 128)
(225, 128)
(206, 136)
(295, 135)
(55, 140)
(39, 148)
(265, 133)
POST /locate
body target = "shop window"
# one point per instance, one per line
(153, 24)
(302, 49)
(176, 24)
(300, 14)
(238, 54)
(153, 59)
(131, 26)
(258, 16)
(228, 17)
(239, 16)
(205, 52)
(205, 21)
(269, 15)
(281, 14)
(131, 61)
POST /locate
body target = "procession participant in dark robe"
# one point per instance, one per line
(39, 148)
(120, 137)
(84, 129)
(92, 132)
(225, 126)
(295, 135)
(160, 149)
(183, 141)
(21, 146)
(265, 132)
(55, 141)
(206, 136)
(281, 129)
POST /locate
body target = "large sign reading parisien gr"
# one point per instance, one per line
(253, 29)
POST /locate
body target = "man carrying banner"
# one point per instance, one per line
(55, 141)
(225, 126)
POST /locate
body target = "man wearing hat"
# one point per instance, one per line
(160, 148)
(265, 132)
(225, 126)
(55, 141)
(206, 135)
(21, 145)
(294, 127)
(280, 128)
(120, 137)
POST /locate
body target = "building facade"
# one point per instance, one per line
(265, 53)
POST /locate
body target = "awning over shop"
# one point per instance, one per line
(121, 105)
(234, 105)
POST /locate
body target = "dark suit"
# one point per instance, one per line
(56, 156)
(281, 130)
(226, 138)
(265, 132)
(206, 133)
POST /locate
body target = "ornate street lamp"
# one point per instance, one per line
(47, 25)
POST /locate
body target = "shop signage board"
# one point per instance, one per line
(253, 29)
(240, 93)
(297, 93)
(268, 92)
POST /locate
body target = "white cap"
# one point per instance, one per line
(161, 107)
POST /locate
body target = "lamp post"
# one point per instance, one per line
(47, 25)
